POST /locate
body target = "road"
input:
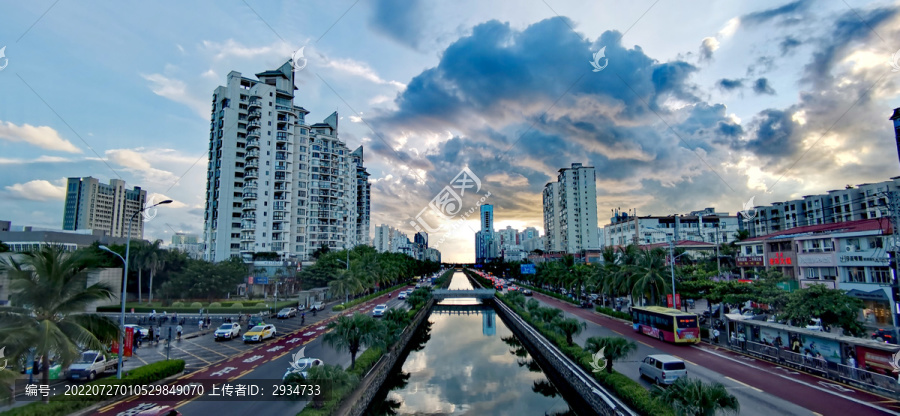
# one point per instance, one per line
(762, 388)
(265, 361)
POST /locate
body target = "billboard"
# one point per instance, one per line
(528, 268)
(258, 280)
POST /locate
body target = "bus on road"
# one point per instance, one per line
(666, 324)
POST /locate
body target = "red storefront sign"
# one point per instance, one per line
(780, 260)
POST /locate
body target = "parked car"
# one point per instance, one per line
(301, 366)
(254, 321)
(749, 314)
(586, 304)
(379, 310)
(885, 335)
(259, 333)
(287, 313)
(228, 331)
(317, 306)
(662, 368)
(137, 328)
(527, 292)
(300, 308)
(90, 364)
(402, 295)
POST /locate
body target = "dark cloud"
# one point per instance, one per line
(400, 20)
(788, 44)
(761, 86)
(788, 12)
(730, 84)
(774, 135)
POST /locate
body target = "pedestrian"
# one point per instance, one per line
(208, 321)
(137, 339)
(733, 340)
(716, 336)
(158, 330)
(150, 336)
(178, 329)
(200, 324)
(851, 362)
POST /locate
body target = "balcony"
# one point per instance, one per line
(255, 114)
(249, 225)
(248, 216)
(252, 154)
(251, 164)
(249, 195)
(252, 173)
(247, 206)
(255, 103)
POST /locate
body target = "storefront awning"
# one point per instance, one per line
(875, 295)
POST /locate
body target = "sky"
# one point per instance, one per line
(695, 104)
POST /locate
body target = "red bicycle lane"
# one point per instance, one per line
(231, 368)
(819, 395)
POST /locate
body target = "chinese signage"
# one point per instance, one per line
(264, 280)
(527, 268)
(815, 260)
(750, 261)
(780, 260)
(861, 259)
(677, 299)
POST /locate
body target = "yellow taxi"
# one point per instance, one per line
(259, 333)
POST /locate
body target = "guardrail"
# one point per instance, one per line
(612, 403)
(864, 379)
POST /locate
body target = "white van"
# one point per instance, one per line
(662, 368)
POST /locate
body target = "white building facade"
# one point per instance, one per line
(705, 225)
(91, 205)
(570, 210)
(274, 182)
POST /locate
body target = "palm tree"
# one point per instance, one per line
(339, 381)
(49, 288)
(532, 305)
(155, 261)
(692, 397)
(614, 348)
(650, 274)
(344, 284)
(547, 314)
(352, 333)
(568, 327)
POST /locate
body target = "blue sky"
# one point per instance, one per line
(703, 104)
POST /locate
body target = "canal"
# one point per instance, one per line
(466, 361)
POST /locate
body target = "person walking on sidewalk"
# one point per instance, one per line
(200, 325)
(178, 330)
(715, 335)
(150, 336)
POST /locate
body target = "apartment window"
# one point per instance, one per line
(812, 273)
(876, 242)
(856, 275)
(881, 275)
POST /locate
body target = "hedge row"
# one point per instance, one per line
(58, 406)
(629, 391)
(237, 307)
(614, 313)
(366, 298)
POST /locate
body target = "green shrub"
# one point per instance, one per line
(613, 313)
(365, 361)
(178, 304)
(338, 308)
(215, 305)
(237, 305)
(196, 305)
(261, 305)
(227, 304)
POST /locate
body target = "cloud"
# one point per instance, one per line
(359, 69)
(761, 86)
(155, 198)
(176, 90)
(789, 13)
(42, 136)
(788, 44)
(231, 48)
(210, 74)
(730, 84)
(138, 161)
(707, 47)
(38, 190)
(399, 20)
(40, 159)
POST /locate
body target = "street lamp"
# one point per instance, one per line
(124, 284)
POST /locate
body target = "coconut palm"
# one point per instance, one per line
(155, 260)
(547, 314)
(532, 305)
(692, 397)
(650, 274)
(353, 332)
(614, 348)
(50, 291)
(568, 327)
(337, 379)
(345, 284)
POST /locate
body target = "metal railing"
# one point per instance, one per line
(868, 380)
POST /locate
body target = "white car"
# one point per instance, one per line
(228, 331)
(137, 328)
(402, 295)
(301, 366)
(379, 310)
(815, 324)
(662, 368)
(318, 306)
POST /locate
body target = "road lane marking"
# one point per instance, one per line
(642, 342)
(831, 392)
(743, 384)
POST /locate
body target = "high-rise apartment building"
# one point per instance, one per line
(485, 249)
(91, 205)
(570, 210)
(274, 182)
(382, 241)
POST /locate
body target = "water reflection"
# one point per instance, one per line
(465, 370)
